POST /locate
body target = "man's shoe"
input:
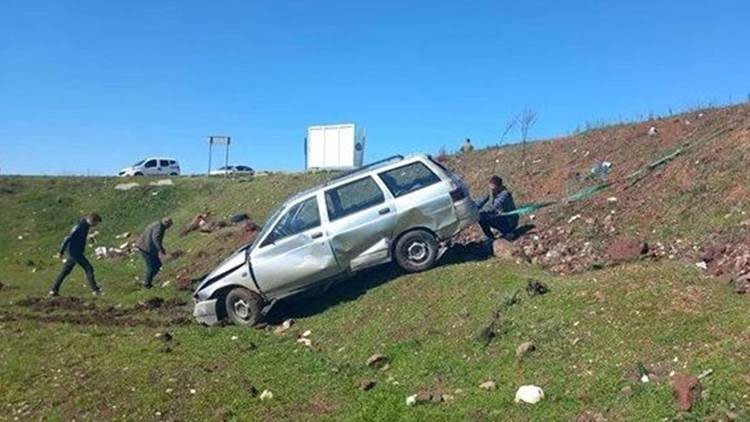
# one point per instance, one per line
(147, 286)
(97, 292)
(53, 293)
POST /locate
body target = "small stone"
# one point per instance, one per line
(524, 349)
(193, 391)
(626, 391)
(687, 390)
(488, 385)
(376, 360)
(530, 394)
(266, 395)
(366, 385)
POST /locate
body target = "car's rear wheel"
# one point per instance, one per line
(138, 174)
(243, 307)
(416, 250)
(173, 174)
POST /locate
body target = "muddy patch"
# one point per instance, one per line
(152, 312)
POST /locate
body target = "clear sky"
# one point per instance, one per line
(93, 86)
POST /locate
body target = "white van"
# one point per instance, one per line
(153, 166)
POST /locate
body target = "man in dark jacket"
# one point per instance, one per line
(499, 200)
(151, 245)
(72, 251)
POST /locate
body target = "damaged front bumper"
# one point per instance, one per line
(205, 312)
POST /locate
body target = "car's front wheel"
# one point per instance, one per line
(243, 307)
(416, 250)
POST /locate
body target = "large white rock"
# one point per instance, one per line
(529, 394)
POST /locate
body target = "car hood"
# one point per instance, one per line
(235, 260)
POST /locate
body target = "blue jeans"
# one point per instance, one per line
(153, 265)
(506, 225)
(70, 263)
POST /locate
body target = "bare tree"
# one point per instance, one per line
(526, 121)
(509, 125)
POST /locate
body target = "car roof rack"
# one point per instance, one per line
(393, 158)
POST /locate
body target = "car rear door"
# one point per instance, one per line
(361, 217)
(422, 199)
(296, 252)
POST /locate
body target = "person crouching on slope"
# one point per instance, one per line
(499, 200)
(73, 250)
(151, 245)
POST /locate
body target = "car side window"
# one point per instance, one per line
(172, 162)
(150, 163)
(352, 197)
(300, 217)
(409, 178)
(164, 163)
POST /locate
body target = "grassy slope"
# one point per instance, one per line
(591, 330)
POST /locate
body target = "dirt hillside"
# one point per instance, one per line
(692, 207)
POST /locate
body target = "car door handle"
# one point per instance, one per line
(316, 235)
(384, 211)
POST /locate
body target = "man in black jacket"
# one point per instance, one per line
(72, 250)
(151, 245)
(498, 201)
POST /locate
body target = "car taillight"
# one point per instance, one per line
(458, 194)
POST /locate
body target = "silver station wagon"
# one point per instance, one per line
(403, 208)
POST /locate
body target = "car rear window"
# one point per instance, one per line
(352, 197)
(164, 163)
(409, 178)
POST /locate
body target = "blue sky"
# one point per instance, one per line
(92, 86)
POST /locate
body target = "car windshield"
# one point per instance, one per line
(138, 163)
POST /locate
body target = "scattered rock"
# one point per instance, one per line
(424, 397)
(166, 337)
(488, 385)
(625, 249)
(377, 360)
(687, 390)
(503, 249)
(366, 385)
(574, 218)
(536, 287)
(266, 395)
(626, 392)
(652, 131)
(524, 349)
(284, 326)
(712, 252)
(529, 394)
(126, 186)
(248, 347)
(162, 182)
(741, 284)
(305, 341)
(702, 265)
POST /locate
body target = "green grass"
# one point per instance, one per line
(591, 331)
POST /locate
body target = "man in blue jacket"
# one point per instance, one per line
(72, 250)
(151, 245)
(491, 207)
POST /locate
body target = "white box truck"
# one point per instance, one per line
(334, 147)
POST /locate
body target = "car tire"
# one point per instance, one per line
(416, 251)
(138, 174)
(243, 307)
(173, 174)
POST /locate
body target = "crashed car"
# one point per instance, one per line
(403, 208)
